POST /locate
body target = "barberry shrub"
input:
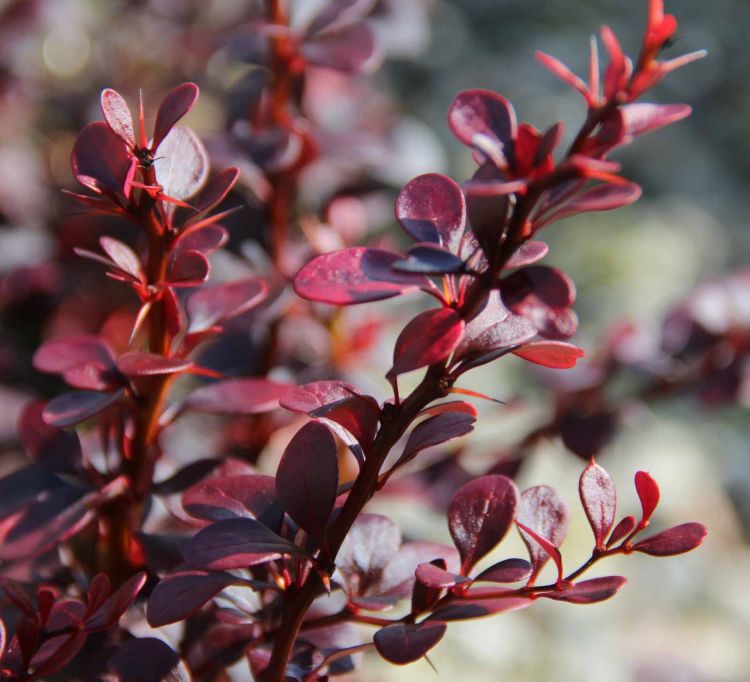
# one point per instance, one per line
(276, 567)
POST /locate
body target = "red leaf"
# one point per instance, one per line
(211, 305)
(207, 239)
(108, 614)
(55, 653)
(648, 493)
(174, 106)
(480, 115)
(622, 530)
(405, 643)
(180, 594)
(479, 516)
(182, 166)
(676, 540)
(429, 338)
(548, 548)
(554, 354)
(138, 364)
(604, 197)
(60, 355)
(644, 117)
(100, 588)
(100, 160)
(47, 446)
(355, 275)
(527, 254)
(188, 269)
(236, 543)
(307, 479)
(599, 500)
(543, 510)
(124, 257)
(237, 396)
(565, 74)
(507, 571)
(117, 115)
(431, 208)
(588, 591)
(72, 408)
(438, 578)
(436, 430)
(316, 394)
(216, 190)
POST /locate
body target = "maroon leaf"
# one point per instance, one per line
(356, 275)
(605, 197)
(188, 269)
(437, 578)
(123, 256)
(225, 497)
(405, 643)
(648, 493)
(307, 479)
(138, 364)
(436, 430)
(544, 511)
(532, 538)
(206, 240)
(108, 614)
(643, 117)
(56, 652)
(507, 571)
(217, 189)
(237, 396)
(398, 576)
(47, 446)
(164, 664)
(100, 160)
(485, 120)
(58, 356)
(554, 354)
(236, 543)
(182, 165)
(431, 208)
(358, 414)
(599, 500)
(429, 338)
(100, 588)
(676, 540)
(479, 608)
(479, 516)
(588, 591)
(182, 593)
(316, 394)
(72, 408)
(174, 106)
(346, 48)
(211, 305)
(622, 530)
(117, 115)
(527, 254)
(430, 259)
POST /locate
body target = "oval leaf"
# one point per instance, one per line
(648, 493)
(588, 591)
(182, 165)
(237, 396)
(211, 305)
(100, 160)
(676, 540)
(117, 115)
(481, 118)
(138, 364)
(554, 354)
(173, 107)
(405, 643)
(599, 500)
(72, 408)
(544, 511)
(507, 571)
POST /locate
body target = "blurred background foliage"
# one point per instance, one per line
(683, 619)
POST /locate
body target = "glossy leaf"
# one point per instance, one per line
(206, 240)
(236, 543)
(141, 364)
(599, 500)
(430, 259)
(180, 594)
(355, 275)
(604, 197)
(487, 216)
(398, 576)
(123, 256)
(436, 430)
(307, 479)
(506, 571)
(47, 446)
(174, 106)
(554, 354)
(544, 511)
(527, 254)
(481, 118)
(588, 591)
(109, 613)
(405, 643)
(479, 608)
(676, 540)
(117, 115)
(188, 269)
(427, 339)
(479, 516)
(72, 408)
(437, 578)
(182, 164)
(100, 160)
(431, 208)
(211, 305)
(648, 493)
(316, 394)
(237, 396)
(216, 189)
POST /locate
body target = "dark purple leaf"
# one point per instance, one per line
(307, 479)
(599, 500)
(100, 588)
(430, 259)
(479, 516)
(478, 608)
(648, 493)
(405, 643)
(188, 475)
(182, 164)
(544, 511)
(487, 215)
(506, 571)
(225, 497)
(100, 160)
(436, 430)
(117, 115)
(676, 540)
(211, 305)
(554, 354)
(527, 254)
(425, 597)
(643, 117)
(359, 415)
(437, 578)
(622, 530)
(109, 613)
(188, 269)
(316, 394)
(398, 577)
(586, 433)
(236, 543)
(163, 663)
(56, 652)
(355, 275)
(484, 120)
(72, 408)
(237, 396)
(206, 240)
(347, 48)
(216, 189)
(587, 591)
(174, 106)
(431, 208)
(23, 487)
(139, 364)
(57, 356)
(182, 593)
(51, 448)
(429, 338)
